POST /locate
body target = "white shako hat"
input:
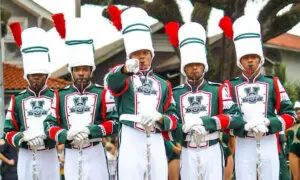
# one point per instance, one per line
(247, 38)
(192, 39)
(78, 40)
(297, 105)
(34, 48)
(136, 33)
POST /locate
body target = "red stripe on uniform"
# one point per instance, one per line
(277, 92)
(174, 121)
(108, 126)
(168, 102)
(103, 102)
(165, 135)
(9, 137)
(224, 120)
(53, 131)
(220, 98)
(121, 92)
(278, 142)
(57, 106)
(12, 113)
(288, 119)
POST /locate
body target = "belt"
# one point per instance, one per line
(203, 144)
(130, 117)
(211, 136)
(252, 135)
(206, 140)
(136, 119)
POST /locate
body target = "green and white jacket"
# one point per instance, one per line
(211, 102)
(138, 93)
(28, 110)
(94, 108)
(262, 97)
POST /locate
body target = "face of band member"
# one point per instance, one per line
(298, 114)
(145, 58)
(37, 81)
(250, 63)
(194, 71)
(82, 75)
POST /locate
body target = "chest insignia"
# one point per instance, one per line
(195, 105)
(147, 87)
(252, 95)
(37, 108)
(80, 105)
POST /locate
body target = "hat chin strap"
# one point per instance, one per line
(146, 69)
(29, 83)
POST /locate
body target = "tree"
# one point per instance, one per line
(292, 88)
(5, 15)
(272, 24)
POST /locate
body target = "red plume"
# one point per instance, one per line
(115, 16)
(171, 30)
(226, 25)
(16, 30)
(59, 23)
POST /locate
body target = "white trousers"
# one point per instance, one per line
(132, 163)
(246, 158)
(46, 163)
(211, 163)
(94, 164)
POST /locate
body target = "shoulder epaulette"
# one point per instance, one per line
(160, 76)
(66, 87)
(22, 92)
(234, 79)
(179, 87)
(99, 86)
(271, 77)
(214, 83)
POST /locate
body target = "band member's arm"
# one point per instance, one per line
(298, 133)
(285, 116)
(172, 126)
(109, 124)
(12, 133)
(229, 116)
(52, 123)
(117, 81)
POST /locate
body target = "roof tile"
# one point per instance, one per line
(13, 79)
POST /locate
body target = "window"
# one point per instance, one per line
(10, 51)
(24, 24)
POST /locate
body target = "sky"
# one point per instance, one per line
(104, 33)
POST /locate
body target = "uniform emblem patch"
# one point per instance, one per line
(195, 105)
(37, 108)
(147, 87)
(252, 95)
(80, 105)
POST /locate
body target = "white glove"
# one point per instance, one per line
(252, 123)
(81, 136)
(260, 129)
(191, 123)
(74, 131)
(132, 65)
(150, 118)
(199, 129)
(267, 121)
(30, 134)
(36, 142)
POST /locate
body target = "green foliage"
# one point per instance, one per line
(280, 72)
(5, 15)
(293, 90)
